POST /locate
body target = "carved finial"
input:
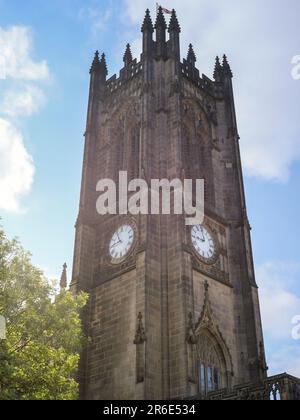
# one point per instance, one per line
(174, 24)
(206, 286)
(206, 317)
(191, 58)
(160, 20)
(96, 65)
(63, 279)
(218, 73)
(140, 336)
(104, 65)
(147, 25)
(226, 67)
(127, 56)
(99, 66)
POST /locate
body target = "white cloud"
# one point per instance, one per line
(279, 303)
(23, 103)
(19, 100)
(286, 360)
(15, 56)
(16, 167)
(260, 41)
(97, 16)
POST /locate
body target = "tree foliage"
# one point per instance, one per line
(39, 358)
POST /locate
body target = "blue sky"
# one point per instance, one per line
(46, 50)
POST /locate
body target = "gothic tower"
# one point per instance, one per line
(173, 309)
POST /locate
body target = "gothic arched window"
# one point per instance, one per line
(210, 364)
(197, 147)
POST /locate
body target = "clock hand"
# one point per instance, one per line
(203, 239)
(200, 239)
(117, 243)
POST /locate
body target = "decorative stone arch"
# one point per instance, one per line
(195, 115)
(197, 145)
(129, 108)
(193, 109)
(125, 136)
(209, 346)
(212, 351)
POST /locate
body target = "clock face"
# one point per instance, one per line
(121, 242)
(203, 242)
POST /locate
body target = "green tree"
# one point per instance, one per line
(39, 358)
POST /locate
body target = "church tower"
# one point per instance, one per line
(174, 311)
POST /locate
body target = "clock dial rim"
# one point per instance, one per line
(207, 259)
(128, 249)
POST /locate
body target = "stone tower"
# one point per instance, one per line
(176, 313)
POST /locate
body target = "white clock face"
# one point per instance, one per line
(203, 242)
(121, 242)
